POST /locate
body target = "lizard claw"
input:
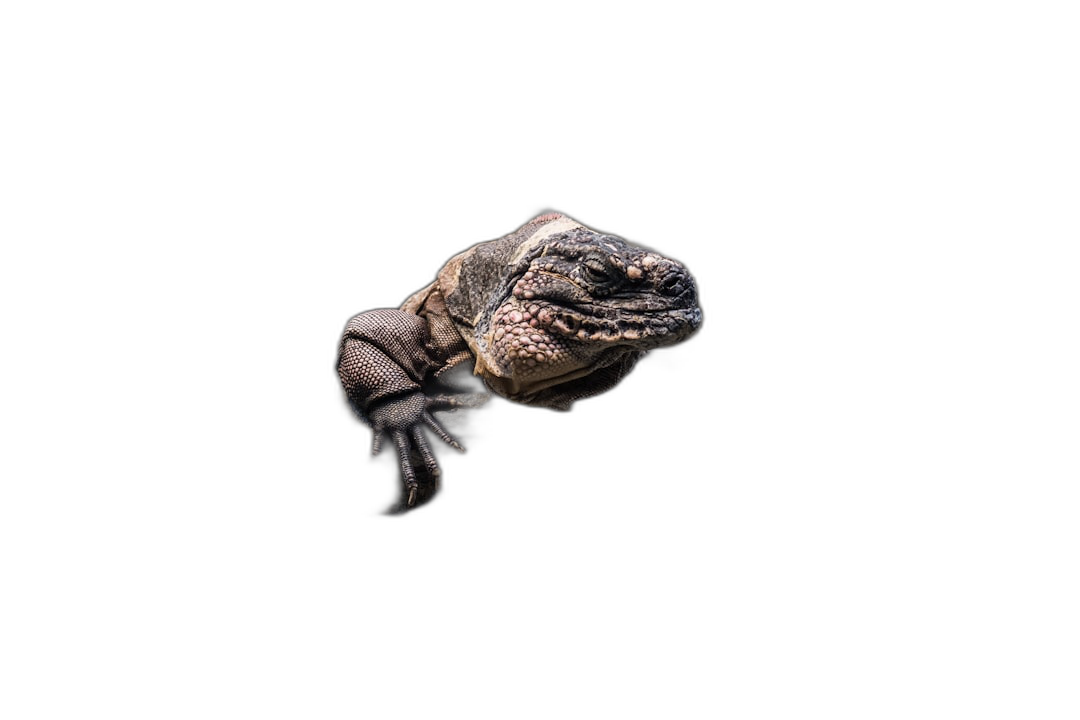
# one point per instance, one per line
(403, 419)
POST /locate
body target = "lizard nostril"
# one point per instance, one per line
(672, 284)
(678, 285)
(567, 323)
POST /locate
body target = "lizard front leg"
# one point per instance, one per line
(385, 360)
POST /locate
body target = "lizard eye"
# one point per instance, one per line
(595, 272)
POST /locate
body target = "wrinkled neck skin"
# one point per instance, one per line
(555, 302)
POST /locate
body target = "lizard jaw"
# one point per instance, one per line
(516, 387)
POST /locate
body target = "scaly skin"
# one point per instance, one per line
(551, 313)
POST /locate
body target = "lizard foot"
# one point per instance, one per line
(402, 419)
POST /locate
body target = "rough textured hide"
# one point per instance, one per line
(551, 313)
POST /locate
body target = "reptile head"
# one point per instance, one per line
(576, 310)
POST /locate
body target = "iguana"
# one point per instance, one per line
(549, 314)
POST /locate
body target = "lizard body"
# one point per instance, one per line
(551, 313)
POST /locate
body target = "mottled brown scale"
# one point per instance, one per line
(551, 313)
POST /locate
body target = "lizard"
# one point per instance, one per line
(551, 313)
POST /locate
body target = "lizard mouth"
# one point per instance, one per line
(642, 330)
(534, 344)
(654, 312)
